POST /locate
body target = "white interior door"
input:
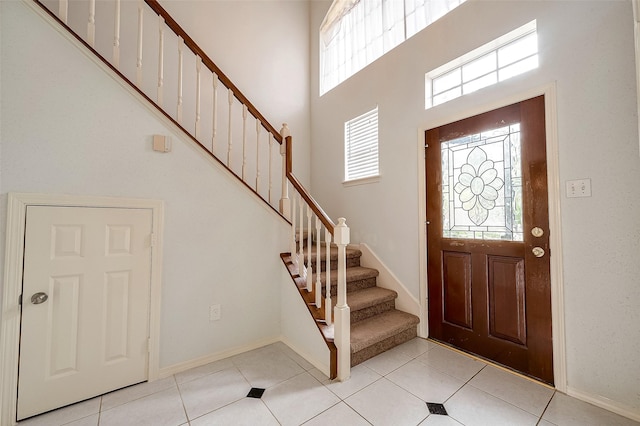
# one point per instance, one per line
(85, 310)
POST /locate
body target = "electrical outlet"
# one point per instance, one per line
(214, 312)
(579, 188)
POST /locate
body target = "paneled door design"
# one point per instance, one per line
(85, 310)
(488, 237)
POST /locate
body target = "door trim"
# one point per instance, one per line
(14, 253)
(555, 232)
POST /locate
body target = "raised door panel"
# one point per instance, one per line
(507, 307)
(456, 289)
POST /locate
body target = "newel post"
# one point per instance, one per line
(342, 328)
(285, 205)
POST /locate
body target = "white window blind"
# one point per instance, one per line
(357, 32)
(361, 146)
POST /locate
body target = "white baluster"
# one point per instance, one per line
(327, 277)
(198, 73)
(285, 208)
(270, 155)
(116, 36)
(342, 331)
(244, 140)
(215, 112)
(309, 251)
(318, 265)
(229, 141)
(180, 55)
(294, 254)
(301, 269)
(91, 25)
(63, 10)
(258, 128)
(160, 60)
(140, 41)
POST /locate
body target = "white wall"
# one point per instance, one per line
(588, 49)
(69, 128)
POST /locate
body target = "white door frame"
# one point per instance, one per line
(555, 233)
(14, 252)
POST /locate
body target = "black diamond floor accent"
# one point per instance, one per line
(255, 393)
(435, 408)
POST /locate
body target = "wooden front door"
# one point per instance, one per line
(488, 237)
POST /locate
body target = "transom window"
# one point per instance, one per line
(503, 58)
(355, 33)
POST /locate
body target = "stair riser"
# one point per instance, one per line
(351, 262)
(352, 286)
(385, 345)
(371, 311)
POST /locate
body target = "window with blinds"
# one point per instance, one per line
(361, 146)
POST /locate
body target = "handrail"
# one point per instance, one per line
(188, 41)
(315, 207)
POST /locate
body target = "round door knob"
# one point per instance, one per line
(538, 251)
(39, 298)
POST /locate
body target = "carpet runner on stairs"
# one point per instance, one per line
(376, 326)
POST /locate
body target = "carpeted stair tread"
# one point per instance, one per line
(368, 332)
(352, 257)
(376, 326)
(356, 273)
(369, 297)
(350, 252)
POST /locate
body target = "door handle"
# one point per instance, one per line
(538, 251)
(39, 298)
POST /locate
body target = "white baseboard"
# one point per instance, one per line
(406, 301)
(207, 359)
(606, 403)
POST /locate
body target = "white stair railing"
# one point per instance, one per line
(184, 84)
(190, 95)
(302, 239)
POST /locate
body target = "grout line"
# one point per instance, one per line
(184, 408)
(100, 410)
(547, 406)
(465, 384)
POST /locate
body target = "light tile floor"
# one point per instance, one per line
(390, 389)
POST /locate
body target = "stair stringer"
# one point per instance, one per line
(405, 301)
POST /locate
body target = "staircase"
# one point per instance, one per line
(376, 326)
(250, 156)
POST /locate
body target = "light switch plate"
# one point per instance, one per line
(579, 188)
